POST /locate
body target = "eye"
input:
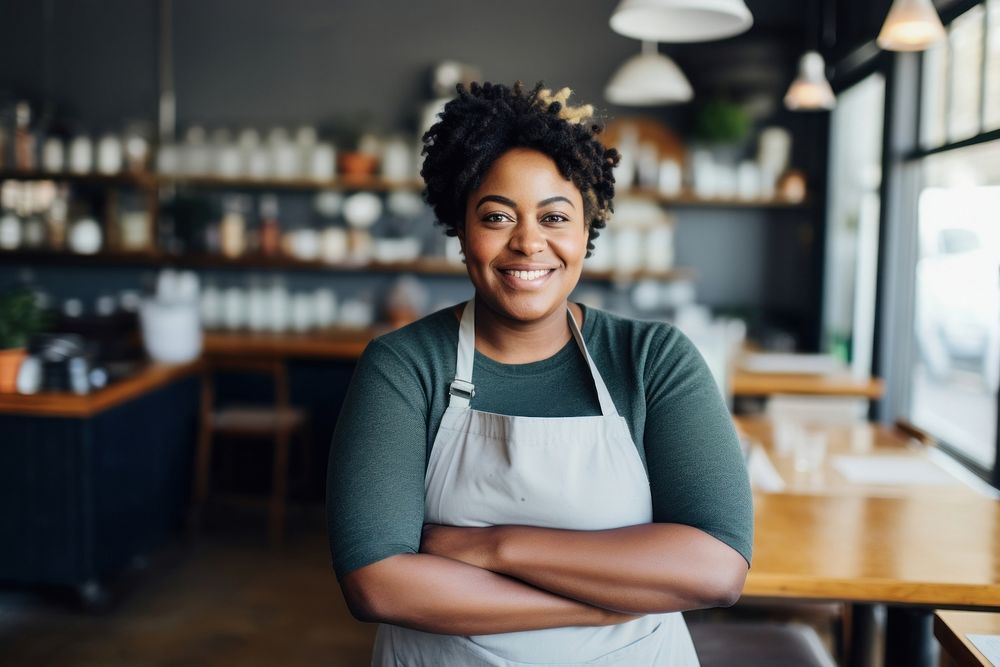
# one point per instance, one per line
(495, 217)
(555, 218)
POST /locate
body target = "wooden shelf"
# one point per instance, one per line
(430, 266)
(343, 183)
(152, 180)
(688, 199)
(142, 180)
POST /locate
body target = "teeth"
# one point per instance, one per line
(528, 275)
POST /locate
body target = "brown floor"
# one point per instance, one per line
(225, 598)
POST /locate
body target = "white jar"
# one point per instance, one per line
(11, 234)
(324, 307)
(396, 160)
(234, 309)
(109, 155)
(301, 312)
(85, 237)
(53, 155)
(81, 155)
(171, 331)
(323, 162)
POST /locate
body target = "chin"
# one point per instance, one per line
(523, 306)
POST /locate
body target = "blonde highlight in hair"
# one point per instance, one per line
(570, 114)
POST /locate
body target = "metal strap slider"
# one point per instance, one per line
(462, 389)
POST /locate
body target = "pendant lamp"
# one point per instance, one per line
(810, 91)
(648, 78)
(911, 25)
(680, 20)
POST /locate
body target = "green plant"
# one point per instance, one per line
(722, 122)
(20, 318)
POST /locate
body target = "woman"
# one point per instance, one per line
(520, 479)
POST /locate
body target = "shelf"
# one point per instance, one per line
(688, 199)
(429, 266)
(372, 183)
(150, 180)
(136, 180)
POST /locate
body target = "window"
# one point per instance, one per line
(853, 200)
(991, 95)
(965, 73)
(947, 298)
(956, 363)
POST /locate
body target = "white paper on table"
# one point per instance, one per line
(988, 645)
(784, 363)
(763, 475)
(890, 470)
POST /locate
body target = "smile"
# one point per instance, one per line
(527, 275)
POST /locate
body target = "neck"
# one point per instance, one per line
(511, 341)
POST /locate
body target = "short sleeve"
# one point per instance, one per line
(375, 477)
(696, 470)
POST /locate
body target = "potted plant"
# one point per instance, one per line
(722, 123)
(20, 319)
(357, 145)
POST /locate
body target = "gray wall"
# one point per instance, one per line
(93, 64)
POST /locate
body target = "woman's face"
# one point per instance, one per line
(525, 236)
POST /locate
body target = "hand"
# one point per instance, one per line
(471, 545)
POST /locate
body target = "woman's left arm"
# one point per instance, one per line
(644, 569)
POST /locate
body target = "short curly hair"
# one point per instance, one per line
(485, 121)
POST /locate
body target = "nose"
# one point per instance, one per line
(527, 238)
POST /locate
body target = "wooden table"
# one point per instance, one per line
(745, 383)
(911, 549)
(951, 629)
(344, 344)
(859, 440)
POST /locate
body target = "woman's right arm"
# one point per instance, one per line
(445, 596)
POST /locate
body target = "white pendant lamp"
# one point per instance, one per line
(911, 25)
(810, 91)
(680, 20)
(648, 78)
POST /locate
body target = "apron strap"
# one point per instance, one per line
(462, 389)
(603, 395)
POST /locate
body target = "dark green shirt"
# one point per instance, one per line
(659, 383)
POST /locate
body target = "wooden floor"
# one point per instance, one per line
(225, 598)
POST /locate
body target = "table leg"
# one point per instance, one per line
(863, 630)
(909, 637)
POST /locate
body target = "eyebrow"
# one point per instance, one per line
(510, 202)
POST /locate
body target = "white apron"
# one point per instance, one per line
(577, 473)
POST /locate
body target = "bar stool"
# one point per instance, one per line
(279, 421)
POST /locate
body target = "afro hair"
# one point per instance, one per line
(485, 121)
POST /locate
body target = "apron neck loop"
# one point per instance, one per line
(462, 389)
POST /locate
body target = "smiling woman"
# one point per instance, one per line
(520, 479)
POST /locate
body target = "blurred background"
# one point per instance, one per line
(209, 208)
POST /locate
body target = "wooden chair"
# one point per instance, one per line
(278, 421)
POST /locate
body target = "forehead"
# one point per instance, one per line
(529, 172)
